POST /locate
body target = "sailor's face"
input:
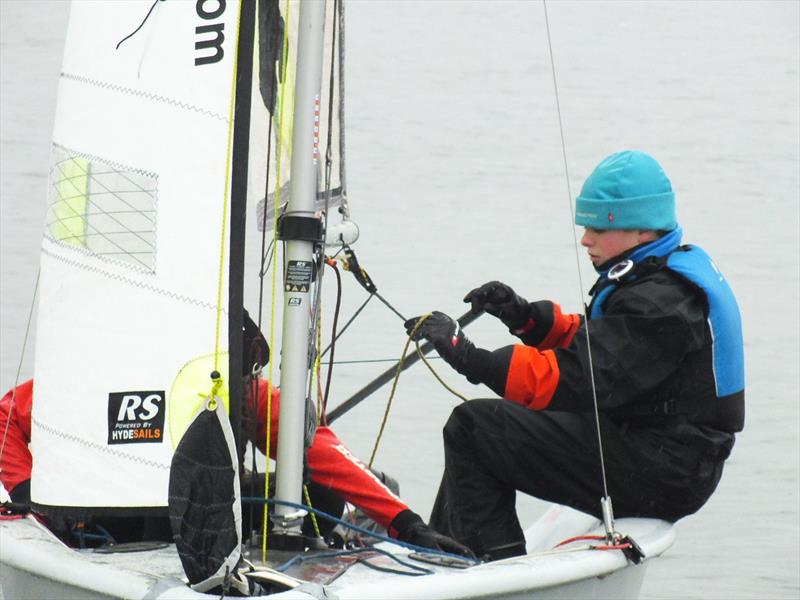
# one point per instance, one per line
(605, 244)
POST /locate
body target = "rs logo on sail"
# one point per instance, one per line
(214, 33)
(135, 417)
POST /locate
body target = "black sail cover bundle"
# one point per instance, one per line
(204, 504)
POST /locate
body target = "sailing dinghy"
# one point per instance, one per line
(179, 127)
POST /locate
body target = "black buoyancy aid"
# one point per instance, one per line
(693, 265)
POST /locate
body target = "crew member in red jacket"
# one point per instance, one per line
(331, 464)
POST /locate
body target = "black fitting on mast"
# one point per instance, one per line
(300, 227)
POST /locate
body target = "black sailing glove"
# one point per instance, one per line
(412, 529)
(450, 342)
(499, 300)
(479, 365)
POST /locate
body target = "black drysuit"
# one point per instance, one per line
(665, 432)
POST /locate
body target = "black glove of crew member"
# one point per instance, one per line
(446, 336)
(412, 529)
(499, 300)
(477, 364)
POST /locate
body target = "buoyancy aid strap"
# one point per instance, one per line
(723, 414)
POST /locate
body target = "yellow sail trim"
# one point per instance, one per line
(191, 390)
(69, 212)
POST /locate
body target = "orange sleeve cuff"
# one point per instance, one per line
(532, 377)
(563, 330)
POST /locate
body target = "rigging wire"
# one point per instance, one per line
(19, 365)
(577, 253)
(346, 325)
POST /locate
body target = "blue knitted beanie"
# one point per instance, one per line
(627, 190)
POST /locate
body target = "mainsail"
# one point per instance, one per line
(143, 253)
(134, 260)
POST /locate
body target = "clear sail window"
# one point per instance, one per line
(105, 209)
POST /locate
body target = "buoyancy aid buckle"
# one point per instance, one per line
(620, 269)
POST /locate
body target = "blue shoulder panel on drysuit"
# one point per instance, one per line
(723, 316)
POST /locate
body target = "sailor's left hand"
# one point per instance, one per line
(450, 342)
(443, 332)
(446, 336)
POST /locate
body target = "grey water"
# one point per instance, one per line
(456, 176)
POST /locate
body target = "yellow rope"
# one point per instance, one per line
(419, 323)
(228, 160)
(313, 516)
(438, 378)
(284, 62)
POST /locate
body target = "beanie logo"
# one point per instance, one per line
(610, 217)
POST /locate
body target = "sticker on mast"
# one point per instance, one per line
(136, 417)
(298, 276)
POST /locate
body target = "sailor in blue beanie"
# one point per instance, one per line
(628, 190)
(625, 202)
(666, 372)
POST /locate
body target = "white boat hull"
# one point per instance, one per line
(34, 564)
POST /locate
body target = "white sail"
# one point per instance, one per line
(131, 256)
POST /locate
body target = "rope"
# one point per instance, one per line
(362, 530)
(577, 251)
(332, 346)
(438, 378)
(135, 31)
(397, 379)
(391, 395)
(313, 516)
(225, 198)
(416, 569)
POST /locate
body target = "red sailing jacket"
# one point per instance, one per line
(15, 435)
(331, 463)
